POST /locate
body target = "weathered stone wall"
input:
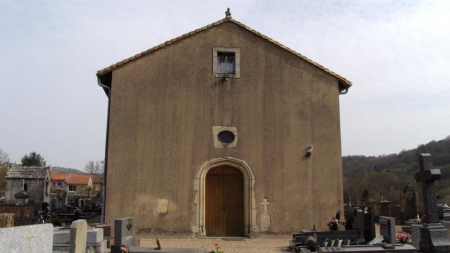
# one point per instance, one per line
(36, 190)
(163, 109)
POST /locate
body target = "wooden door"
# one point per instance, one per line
(224, 202)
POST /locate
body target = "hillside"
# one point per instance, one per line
(63, 169)
(387, 175)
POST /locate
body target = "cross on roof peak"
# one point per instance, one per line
(228, 13)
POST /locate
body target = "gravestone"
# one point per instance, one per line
(433, 235)
(31, 239)
(94, 239)
(440, 210)
(387, 229)
(409, 203)
(124, 234)
(364, 223)
(415, 235)
(359, 221)
(6, 220)
(78, 236)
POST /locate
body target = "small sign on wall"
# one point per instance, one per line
(163, 206)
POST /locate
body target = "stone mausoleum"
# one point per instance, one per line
(223, 132)
(35, 181)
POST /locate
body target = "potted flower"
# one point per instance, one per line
(217, 250)
(334, 224)
(403, 237)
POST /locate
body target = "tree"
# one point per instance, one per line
(4, 157)
(3, 165)
(94, 167)
(33, 159)
(365, 196)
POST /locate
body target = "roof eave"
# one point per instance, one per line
(105, 75)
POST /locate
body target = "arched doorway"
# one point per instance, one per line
(250, 227)
(224, 203)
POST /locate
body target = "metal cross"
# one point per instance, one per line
(427, 176)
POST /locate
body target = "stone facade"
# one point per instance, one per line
(167, 104)
(34, 180)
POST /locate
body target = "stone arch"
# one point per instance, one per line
(249, 194)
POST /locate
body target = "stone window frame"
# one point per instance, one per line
(217, 143)
(237, 61)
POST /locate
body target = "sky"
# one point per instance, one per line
(396, 53)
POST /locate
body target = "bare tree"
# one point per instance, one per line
(94, 167)
(4, 157)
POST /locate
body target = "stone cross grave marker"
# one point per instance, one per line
(433, 235)
(265, 217)
(427, 176)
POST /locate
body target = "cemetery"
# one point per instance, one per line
(357, 234)
(274, 181)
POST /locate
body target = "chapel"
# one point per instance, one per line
(223, 131)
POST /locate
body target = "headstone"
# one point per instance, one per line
(369, 226)
(415, 235)
(410, 206)
(440, 210)
(31, 239)
(78, 236)
(387, 229)
(6, 220)
(124, 234)
(433, 235)
(94, 239)
(359, 221)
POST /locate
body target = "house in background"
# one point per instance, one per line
(76, 183)
(33, 180)
(59, 179)
(223, 132)
(97, 180)
(79, 183)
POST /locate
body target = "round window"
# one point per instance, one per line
(226, 137)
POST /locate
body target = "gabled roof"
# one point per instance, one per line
(77, 179)
(19, 171)
(105, 74)
(97, 178)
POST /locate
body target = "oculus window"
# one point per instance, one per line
(226, 62)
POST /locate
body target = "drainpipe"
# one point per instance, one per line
(343, 92)
(105, 168)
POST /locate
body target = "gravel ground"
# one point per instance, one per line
(241, 245)
(262, 244)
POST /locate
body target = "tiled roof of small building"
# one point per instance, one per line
(97, 178)
(75, 179)
(59, 176)
(342, 81)
(19, 171)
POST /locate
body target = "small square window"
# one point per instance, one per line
(226, 62)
